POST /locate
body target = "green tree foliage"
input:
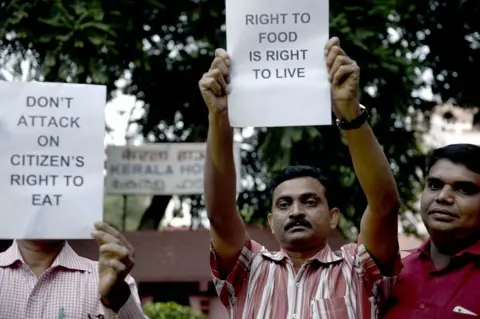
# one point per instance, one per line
(124, 212)
(170, 310)
(163, 47)
(451, 30)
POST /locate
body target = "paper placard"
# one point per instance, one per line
(159, 169)
(278, 71)
(52, 159)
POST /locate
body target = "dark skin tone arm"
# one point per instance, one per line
(379, 225)
(226, 226)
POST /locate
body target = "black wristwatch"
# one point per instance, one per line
(355, 123)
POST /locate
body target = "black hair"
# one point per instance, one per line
(467, 155)
(292, 172)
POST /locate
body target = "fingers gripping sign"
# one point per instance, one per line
(116, 260)
(214, 83)
(344, 76)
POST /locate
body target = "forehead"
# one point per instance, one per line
(450, 172)
(299, 186)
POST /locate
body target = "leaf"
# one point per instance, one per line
(170, 310)
(78, 44)
(50, 59)
(55, 21)
(46, 38)
(99, 26)
(64, 37)
(96, 40)
(156, 4)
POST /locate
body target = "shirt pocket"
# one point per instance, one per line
(331, 308)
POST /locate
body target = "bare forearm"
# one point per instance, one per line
(379, 226)
(228, 231)
(226, 227)
(379, 222)
(220, 179)
(373, 170)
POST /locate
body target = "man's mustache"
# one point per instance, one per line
(298, 222)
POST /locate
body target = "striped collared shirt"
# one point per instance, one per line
(69, 288)
(341, 285)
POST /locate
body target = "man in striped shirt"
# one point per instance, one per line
(306, 279)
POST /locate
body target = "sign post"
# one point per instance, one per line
(158, 169)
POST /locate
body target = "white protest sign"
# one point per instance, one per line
(278, 71)
(52, 159)
(159, 169)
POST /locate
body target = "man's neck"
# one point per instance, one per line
(442, 252)
(39, 255)
(300, 257)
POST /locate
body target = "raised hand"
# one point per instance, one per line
(214, 83)
(344, 76)
(116, 260)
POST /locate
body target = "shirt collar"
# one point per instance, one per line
(325, 256)
(67, 258)
(11, 256)
(471, 250)
(424, 248)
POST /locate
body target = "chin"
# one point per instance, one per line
(49, 242)
(298, 238)
(440, 228)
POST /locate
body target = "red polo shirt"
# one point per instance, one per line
(421, 291)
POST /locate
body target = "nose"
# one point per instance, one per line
(297, 211)
(445, 196)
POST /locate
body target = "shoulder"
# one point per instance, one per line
(89, 263)
(91, 267)
(350, 248)
(410, 258)
(80, 263)
(350, 251)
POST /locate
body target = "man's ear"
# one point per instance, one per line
(334, 215)
(270, 222)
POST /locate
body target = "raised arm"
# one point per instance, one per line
(379, 225)
(226, 226)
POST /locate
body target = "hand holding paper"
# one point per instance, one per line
(344, 76)
(115, 263)
(277, 74)
(214, 83)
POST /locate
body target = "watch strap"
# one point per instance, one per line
(355, 123)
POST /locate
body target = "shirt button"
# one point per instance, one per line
(422, 306)
(294, 316)
(297, 284)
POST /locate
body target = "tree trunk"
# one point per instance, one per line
(154, 213)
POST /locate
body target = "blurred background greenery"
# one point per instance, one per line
(156, 51)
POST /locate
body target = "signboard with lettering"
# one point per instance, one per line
(52, 159)
(278, 74)
(158, 169)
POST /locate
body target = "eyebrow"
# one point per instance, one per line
(303, 196)
(438, 179)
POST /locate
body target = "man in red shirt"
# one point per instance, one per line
(441, 278)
